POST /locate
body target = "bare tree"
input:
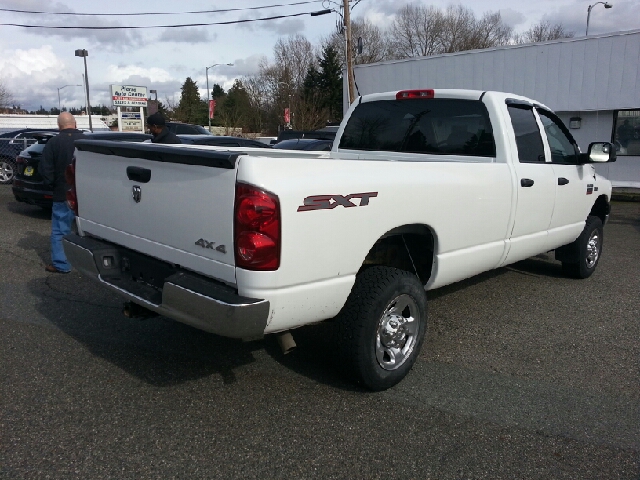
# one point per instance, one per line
(458, 29)
(543, 32)
(257, 91)
(420, 30)
(6, 98)
(292, 59)
(490, 31)
(376, 44)
(417, 31)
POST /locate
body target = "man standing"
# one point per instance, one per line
(57, 154)
(159, 130)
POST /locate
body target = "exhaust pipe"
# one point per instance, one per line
(133, 310)
(286, 342)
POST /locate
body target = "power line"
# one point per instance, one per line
(230, 22)
(159, 13)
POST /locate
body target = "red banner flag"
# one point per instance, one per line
(287, 116)
(212, 108)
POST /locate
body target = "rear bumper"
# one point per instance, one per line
(176, 293)
(33, 196)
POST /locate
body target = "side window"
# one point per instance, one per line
(528, 138)
(626, 132)
(183, 129)
(561, 143)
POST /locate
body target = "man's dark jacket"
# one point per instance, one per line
(165, 136)
(57, 154)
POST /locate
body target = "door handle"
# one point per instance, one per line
(562, 181)
(139, 174)
(526, 182)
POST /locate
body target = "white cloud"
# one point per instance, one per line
(186, 35)
(118, 73)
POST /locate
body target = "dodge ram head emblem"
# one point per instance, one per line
(136, 193)
(328, 202)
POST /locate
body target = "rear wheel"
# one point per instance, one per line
(7, 171)
(586, 249)
(382, 326)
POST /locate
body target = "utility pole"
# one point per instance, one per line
(347, 32)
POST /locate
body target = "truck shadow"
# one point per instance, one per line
(37, 243)
(158, 351)
(162, 352)
(28, 210)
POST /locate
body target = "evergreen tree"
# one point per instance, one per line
(217, 91)
(191, 109)
(330, 82)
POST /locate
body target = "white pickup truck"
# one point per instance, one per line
(422, 188)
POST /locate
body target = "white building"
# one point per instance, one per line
(15, 122)
(592, 83)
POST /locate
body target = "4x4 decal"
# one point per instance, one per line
(328, 202)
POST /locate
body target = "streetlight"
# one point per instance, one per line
(84, 54)
(606, 5)
(64, 86)
(206, 72)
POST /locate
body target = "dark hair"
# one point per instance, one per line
(156, 119)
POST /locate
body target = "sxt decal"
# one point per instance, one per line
(328, 202)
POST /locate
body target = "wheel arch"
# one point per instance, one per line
(601, 208)
(408, 247)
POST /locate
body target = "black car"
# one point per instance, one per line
(28, 186)
(305, 144)
(11, 144)
(187, 129)
(221, 141)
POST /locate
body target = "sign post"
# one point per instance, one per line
(129, 96)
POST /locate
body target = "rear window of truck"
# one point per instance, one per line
(435, 126)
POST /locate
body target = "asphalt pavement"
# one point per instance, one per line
(525, 374)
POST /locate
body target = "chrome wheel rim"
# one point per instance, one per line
(593, 249)
(397, 332)
(6, 171)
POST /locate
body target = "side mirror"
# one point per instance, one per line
(599, 152)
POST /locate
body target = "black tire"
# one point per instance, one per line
(586, 250)
(379, 343)
(7, 171)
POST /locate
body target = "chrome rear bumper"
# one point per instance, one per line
(179, 294)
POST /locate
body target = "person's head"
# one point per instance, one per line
(156, 124)
(66, 120)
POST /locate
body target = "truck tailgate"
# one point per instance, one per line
(170, 202)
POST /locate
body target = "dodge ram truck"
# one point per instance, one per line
(422, 188)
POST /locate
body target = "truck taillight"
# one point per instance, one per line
(70, 178)
(405, 94)
(256, 229)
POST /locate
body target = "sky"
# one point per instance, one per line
(37, 64)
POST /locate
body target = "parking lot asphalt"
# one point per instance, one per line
(525, 374)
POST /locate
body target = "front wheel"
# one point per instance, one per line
(382, 326)
(7, 171)
(586, 249)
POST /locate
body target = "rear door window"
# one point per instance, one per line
(434, 126)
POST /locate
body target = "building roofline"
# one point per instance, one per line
(503, 47)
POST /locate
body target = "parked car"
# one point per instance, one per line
(11, 144)
(305, 144)
(28, 186)
(180, 128)
(221, 141)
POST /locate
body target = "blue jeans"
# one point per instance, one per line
(61, 219)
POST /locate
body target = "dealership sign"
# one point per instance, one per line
(128, 96)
